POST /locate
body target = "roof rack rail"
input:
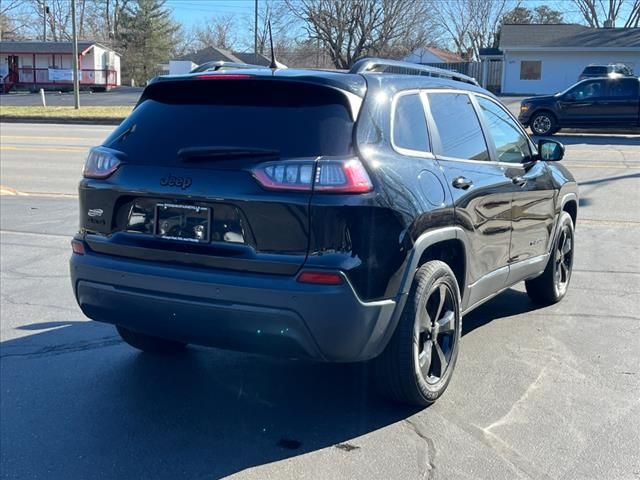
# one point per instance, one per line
(379, 65)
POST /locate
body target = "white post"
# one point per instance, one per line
(76, 78)
(42, 99)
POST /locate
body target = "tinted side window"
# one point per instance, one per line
(624, 88)
(458, 126)
(410, 124)
(511, 144)
(592, 89)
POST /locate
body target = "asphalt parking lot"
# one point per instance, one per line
(538, 393)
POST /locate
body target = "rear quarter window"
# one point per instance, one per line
(410, 124)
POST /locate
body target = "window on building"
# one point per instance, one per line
(530, 70)
(458, 126)
(409, 124)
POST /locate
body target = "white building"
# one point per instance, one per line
(37, 65)
(544, 59)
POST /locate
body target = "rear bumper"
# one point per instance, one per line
(249, 312)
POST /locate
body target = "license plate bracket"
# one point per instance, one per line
(187, 223)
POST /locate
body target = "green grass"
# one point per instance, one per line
(84, 113)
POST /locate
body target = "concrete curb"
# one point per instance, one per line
(66, 120)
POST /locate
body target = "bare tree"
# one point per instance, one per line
(597, 12)
(12, 21)
(279, 15)
(352, 29)
(472, 24)
(216, 32)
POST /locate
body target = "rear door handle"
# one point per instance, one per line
(462, 183)
(520, 181)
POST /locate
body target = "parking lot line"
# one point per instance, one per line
(38, 137)
(41, 149)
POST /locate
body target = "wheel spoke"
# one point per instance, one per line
(425, 320)
(441, 357)
(447, 323)
(442, 291)
(566, 248)
(424, 358)
(565, 272)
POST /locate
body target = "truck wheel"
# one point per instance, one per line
(552, 285)
(543, 123)
(150, 344)
(419, 360)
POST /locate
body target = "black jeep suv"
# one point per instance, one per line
(335, 216)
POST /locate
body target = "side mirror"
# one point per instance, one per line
(550, 150)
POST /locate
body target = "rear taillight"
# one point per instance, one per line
(320, 278)
(329, 176)
(100, 163)
(77, 246)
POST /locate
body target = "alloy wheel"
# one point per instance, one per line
(563, 259)
(436, 333)
(542, 124)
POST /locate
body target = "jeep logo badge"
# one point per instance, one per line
(171, 181)
(95, 212)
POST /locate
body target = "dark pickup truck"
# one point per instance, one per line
(592, 103)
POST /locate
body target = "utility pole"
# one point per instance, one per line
(45, 11)
(255, 35)
(76, 79)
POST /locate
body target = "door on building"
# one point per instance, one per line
(12, 61)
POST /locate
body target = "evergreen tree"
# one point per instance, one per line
(146, 34)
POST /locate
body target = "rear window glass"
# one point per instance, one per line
(296, 120)
(595, 70)
(458, 126)
(410, 124)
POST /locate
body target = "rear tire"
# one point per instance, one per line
(150, 344)
(552, 285)
(417, 364)
(543, 124)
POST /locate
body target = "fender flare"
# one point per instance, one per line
(425, 241)
(420, 245)
(567, 197)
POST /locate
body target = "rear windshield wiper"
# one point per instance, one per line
(203, 153)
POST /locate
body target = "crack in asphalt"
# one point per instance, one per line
(36, 234)
(430, 467)
(8, 300)
(68, 348)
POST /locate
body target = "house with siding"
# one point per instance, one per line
(432, 55)
(217, 54)
(545, 59)
(34, 65)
